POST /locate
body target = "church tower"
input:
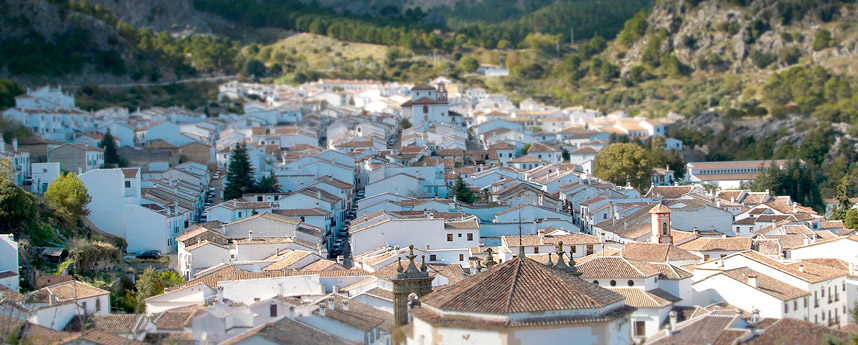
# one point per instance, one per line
(410, 280)
(441, 94)
(660, 225)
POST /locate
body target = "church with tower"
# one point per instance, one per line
(429, 105)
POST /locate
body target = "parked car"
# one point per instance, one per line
(216, 176)
(211, 191)
(150, 254)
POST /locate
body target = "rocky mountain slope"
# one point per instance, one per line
(751, 35)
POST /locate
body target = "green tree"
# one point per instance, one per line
(566, 155)
(659, 158)
(17, 207)
(151, 283)
(842, 196)
(462, 192)
(253, 68)
(8, 90)
(239, 175)
(68, 196)
(405, 124)
(796, 179)
(821, 40)
(267, 184)
(623, 163)
(469, 64)
(111, 154)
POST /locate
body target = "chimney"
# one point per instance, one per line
(250, 235)
(86, 143)
(721, 261)
(733, 199)
(220, 298)
(718, 202)
(15, 144)
(752, 280)
(322, 310)
(276, 251)
(331, 303)
(672, 317)
(346, 305)
(52, 299)
(335, 289)
(801, 268)
(540, 232)
(292, 312)
(696, 231)
(319, 194)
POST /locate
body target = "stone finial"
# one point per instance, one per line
(399, 265)
(423, 267)
(550, 263)
(490, 262)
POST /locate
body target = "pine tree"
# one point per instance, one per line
(239, 176)
(111, 154)
(462, 192)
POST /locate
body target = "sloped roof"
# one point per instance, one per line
(616, 267)
(521, 285)
(657, 252)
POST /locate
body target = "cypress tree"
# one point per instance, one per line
(239, 176)
(111, 154)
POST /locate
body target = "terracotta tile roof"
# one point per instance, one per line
(178, 318)
(99, 337)
(703, 244)
(290, 259)
(669, 191)
(702, 330)
(771, 247)
(789, 331)
(65, 292)
(831, 224)
(616, 267)
(456, 321)
(540, 147)
(829, 262)
(671, 272)
(322, 265)
(766, 284)
(811, 273)
(638, 298)
(520, 285)
(657, 252)
(526, 159)
(288, 332)
(361, 309)
(537, 240)
(357, 321)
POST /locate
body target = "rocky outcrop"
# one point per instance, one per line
(174, 16)
(715, 28)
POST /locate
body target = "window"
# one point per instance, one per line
(786, 308)
(595, 282)
(127, 184)
(795, 305)
(449, 237)
(471, 238)
(97, 304)
(272, 310)
(461, 257)
(631, 282)
(432, 257)
(460, 235)
(535, 250)
(239, 214)
(605, 216)
(573, 249)
(664, 229)
(613, 283)
(84, 306)
(640, 328)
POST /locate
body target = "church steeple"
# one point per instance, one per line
(660, 225)
(441, 94)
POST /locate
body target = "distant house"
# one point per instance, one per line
(77, 158)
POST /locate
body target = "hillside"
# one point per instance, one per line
(76, 43)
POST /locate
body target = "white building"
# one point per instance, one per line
(506, 303)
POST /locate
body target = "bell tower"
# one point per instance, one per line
(441, 94)
(660, 225)
(410, 280)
